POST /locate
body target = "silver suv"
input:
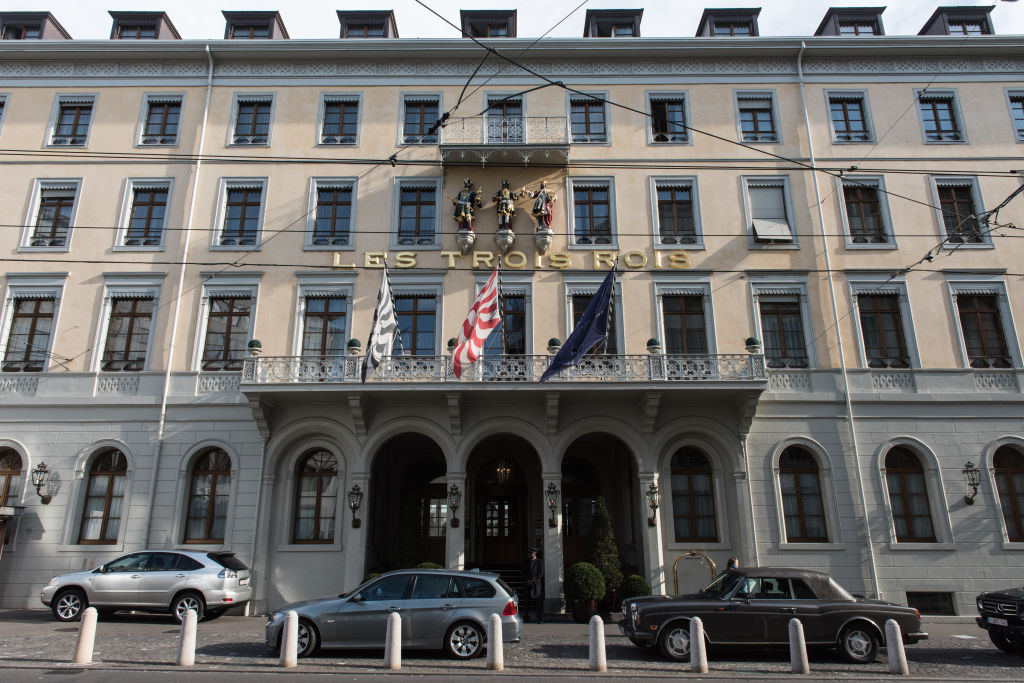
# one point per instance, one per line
(440, 609)
(167, 581)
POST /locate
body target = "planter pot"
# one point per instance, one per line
(611, 603)
(583, 610)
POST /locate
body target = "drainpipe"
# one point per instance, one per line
(177, 305)
(835, 321)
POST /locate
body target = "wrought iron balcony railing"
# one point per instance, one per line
(411, 369)
(505, 130)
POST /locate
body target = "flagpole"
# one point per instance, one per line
(391, 293)
(611, 309)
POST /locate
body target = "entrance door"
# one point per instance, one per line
(501, 544)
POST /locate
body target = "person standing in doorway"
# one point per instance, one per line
(535, 582)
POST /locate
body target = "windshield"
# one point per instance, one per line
(722, 586)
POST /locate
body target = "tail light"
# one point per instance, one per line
(227, 574)
(511, 609)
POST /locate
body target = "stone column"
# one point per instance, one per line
(353, 541)
(263, 542)
(455, 537)
(654, 554)
(744, 546)
(554, 569)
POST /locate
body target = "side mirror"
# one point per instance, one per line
(358, 597)
(743, 596)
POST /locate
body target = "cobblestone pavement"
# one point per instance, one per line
(33, 646)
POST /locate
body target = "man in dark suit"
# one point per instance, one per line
(535, 582)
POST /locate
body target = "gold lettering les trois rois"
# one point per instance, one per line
(517, 260)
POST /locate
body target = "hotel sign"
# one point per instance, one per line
(517, 260)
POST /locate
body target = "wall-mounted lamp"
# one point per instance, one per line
(972, 477)
(552, 497)
(653, 500)
(355, 499)
(40, 476)
(454, 498)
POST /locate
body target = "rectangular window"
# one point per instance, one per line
(243, 210)
(128, 334)
(668, 119)
(417, 322)
(676, 216)
(227, 333)
(147, 217)
(965, 27)
(939, 118)
(757, 117)
(858, 28)
(592, 223)
(367, 30)
(136, 31)
(22, 31)
(1017, 114)
(324, 325)
(982, 328)
(333, 222)
(510, 335)
(417, 214)
(782, 329)
(163, 118)
(72, 125)
(686, 329)
(864, 216)
(881, 323)
(340, 121)
(419, 120)
(249, 31)
(28, 342)
(849, 118)
(504, 121)
(959, 212)
(53, 218)
(252, 121)
(769, 217)
(733, 28)
(587, 120)
(579, 307)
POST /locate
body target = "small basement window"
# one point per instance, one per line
(932, 603)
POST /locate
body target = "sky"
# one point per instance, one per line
(199, 20)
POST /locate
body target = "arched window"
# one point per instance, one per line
(316, 496)
(908, 497)
(208, 498)
(1009, 467)
(10, 476)
(101, 517)
(802, 506)
(693, 498)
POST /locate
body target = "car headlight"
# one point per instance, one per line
(981, 607)
(275, 616)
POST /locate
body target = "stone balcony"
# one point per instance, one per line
(505, 140)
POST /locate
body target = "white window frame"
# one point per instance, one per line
(880, 283)
(984, 284)
(122, 285)
(515, 284)
(589, 283)
(951, 93)
(592, 181)
(131, 185)
(315, 185)
(217, 286)
(865, 106)
(84, 460)
(597, 95)
(936, 496)
(723, 529)
(396, 212)
(781, 181)
(522, 105)
(325, 98)
(240, 97)
(70, 98)
(878, 182)
(177, 525)
(155, 97)
(418, 97)
(32, 286)
(773, 286)
(319, 284)
(679, 284)
(662, 95)
(222, 200)
(1011, 93)
(738, 95)
(665, 180)
(988, 465)
(826, 484)
(979, 208)
(38, 186)
(422, 284)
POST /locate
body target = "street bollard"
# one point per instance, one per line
(187, 644)
(86, 636)
(698, 652)
(598, 660)
(290, 641)
(393, 643)
(495, 644)
(798, 647)
(894, 644)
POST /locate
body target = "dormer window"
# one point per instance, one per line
(623, 31)
(22, 31)
(142, 26)
(612, 23)
(31, 26)
(254, 26)
(731, 28)
(728, 23)
(959, 21)
(369, 30)
(489, 23)
(136, 32)
(367, 24)
(851, 22)
(964, 26)
(858, 28)
(249, 31)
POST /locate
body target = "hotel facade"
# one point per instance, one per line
(813, 358)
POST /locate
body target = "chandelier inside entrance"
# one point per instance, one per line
(503, 470)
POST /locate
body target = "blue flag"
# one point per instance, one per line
(592, 328)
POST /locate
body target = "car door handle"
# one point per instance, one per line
(788, 610)
(179, 576)
(136, 576)
(447, 606)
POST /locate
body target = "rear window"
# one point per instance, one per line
(504, 586)
(186, 563)
(477, 588)
(227, 560)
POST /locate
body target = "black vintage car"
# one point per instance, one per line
(1002, 615)
(753, 606)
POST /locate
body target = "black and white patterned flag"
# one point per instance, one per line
(385, 327)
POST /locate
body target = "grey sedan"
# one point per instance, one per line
(444, 609)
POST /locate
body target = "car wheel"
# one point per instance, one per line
(674, 641)
(308, 640)
(69, 604)
(464, 641)
(858, 644)
(185, 602)
(1013, 646)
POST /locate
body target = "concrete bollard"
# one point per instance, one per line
(598, 660)
(798, 647)
(86, 636)
(187, 644)
(495, 644)
(393, 643)
(894, 644)
(290, 641)
(698, 652)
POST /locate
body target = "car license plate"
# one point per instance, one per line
(245, 582)
(996, 621)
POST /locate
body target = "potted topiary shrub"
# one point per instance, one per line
(604, 554)
(634, 586)
(428, 565)
(584, 586)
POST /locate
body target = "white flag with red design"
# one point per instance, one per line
(483, 317)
